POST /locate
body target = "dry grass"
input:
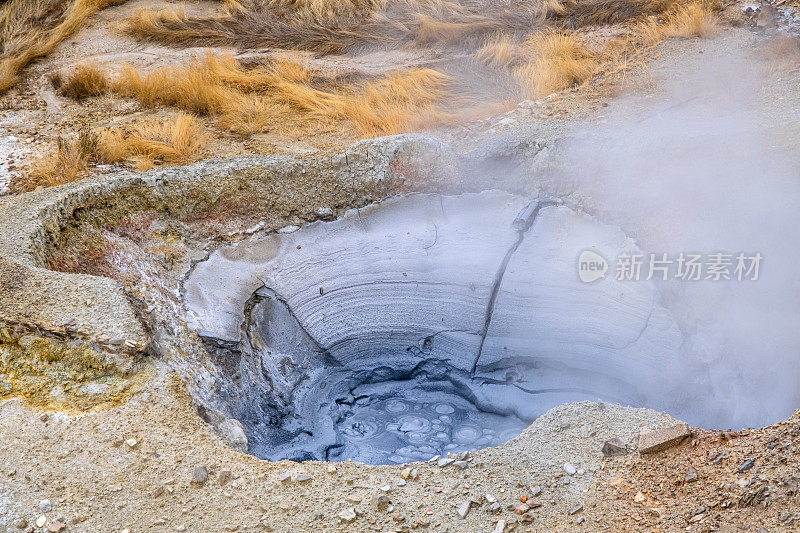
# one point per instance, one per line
(30, 29)
(67, 163)
(692, 20)
(83, 81)
(559, 61)
(173, 142)
(247, 101)
(500, 51)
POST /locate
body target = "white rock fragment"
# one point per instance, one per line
(569, 469)
(348, 515)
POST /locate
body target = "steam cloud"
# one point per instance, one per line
(695, 170)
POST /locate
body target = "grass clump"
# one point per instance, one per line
(559, 61)
(85, 80)
(248, 100)
(30, 29)
(175, 141)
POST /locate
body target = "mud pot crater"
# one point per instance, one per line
(426, 324)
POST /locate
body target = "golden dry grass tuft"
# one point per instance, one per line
(691, 20)
(30, 29)
(175, 141)
(248, 100)
(558, 61)
(500, 50)
(85, 80)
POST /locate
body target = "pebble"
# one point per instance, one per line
(22, 524)
(500, 527)
(691, 475)
(331, 469)
(580, 520)
(576, 509)
(180, 528)
(45, 506)
(41, 521)
(445, 461)
(747, 465)
(536, 490)
(461, 464)
(200, 474)
(323, 212)
(490, 498)
(639, 497)
(401, 483)
(522, 508)
(406, 473)
(569, 469)
(303, 477)
(55, 527)
(348, 515)
(43, 417)
(131, 443)
(463, 509)
(614, 447)
(385, 488)
(224, 476)
(284, 476)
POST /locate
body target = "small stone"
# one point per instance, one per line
(224, 476)
(747, 465)
(500, 527)
(661, 439)
(157, 492)
(303, 477)
(22, 524)
(385, 488)
(159, 522)
(580, 520)
(522, 508)
(285, 476)
(576, 509)
(131, 443)
(614, 447)
(401, 483)
(41, 521)
(200, 474)
(536, 490)
(445, 461)
(691, 475)
(180, 528)
(461, 464)
(490, 498)
(56, 526)
(43, 417)
(569, 469)
(743, 482)
(331, 469)
(463, 509)
(348, 515)
(324, 212)
(406, 473)
(380, 500)
(494, 508)
(45, 506)
(353, 499)
(289, 229)
(639, 497)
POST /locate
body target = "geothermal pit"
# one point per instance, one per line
(426, 324)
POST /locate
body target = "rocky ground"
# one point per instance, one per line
(149, 463)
